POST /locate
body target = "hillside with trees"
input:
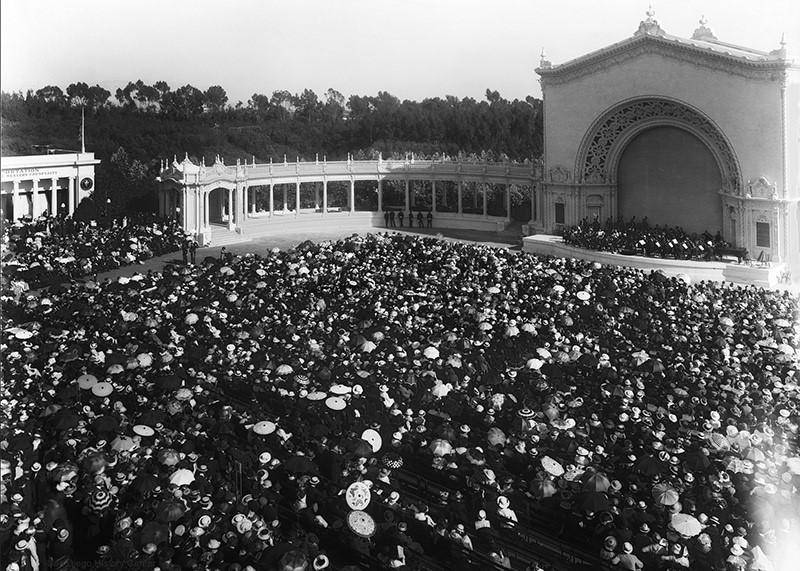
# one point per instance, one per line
(142, 123)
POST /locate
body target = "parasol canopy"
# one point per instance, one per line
(87, 381)
(496, 437)
(374, 439)
(123, 443)
(551, 466)
(392, 460)
(665, 494)
(596, 482)
(544, 488)
(102, 389)
(685, 524)
(358, 495)
(264, 427)
(335, 403)
(441, 447)
(170, 510)
(181, 477)
(169, 457)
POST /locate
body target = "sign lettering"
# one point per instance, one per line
(28, 173)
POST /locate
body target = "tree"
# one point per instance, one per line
(307, 104)
(216, 98)
(282, 102)
(52, 95)
(184, 103)
(334, 106)
(147, 97)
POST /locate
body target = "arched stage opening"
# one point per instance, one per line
(670, 176)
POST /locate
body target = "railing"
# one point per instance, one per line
(519, 174)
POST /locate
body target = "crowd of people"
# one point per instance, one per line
(255, 413)
(641, 238)
(49, 250)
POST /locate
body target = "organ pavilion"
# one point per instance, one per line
(691, 132)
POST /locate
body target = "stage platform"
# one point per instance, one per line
(765, 276)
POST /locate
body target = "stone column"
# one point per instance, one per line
(36, 209)
(206, 215)
(508, 203)
(324, 197)
(433, 196)
(316, 197)
(297, 199)
(71, 196)
(483, 190)
(285, 198)
(413, 196)
(245, 201)
(271, 201)
(16, 202)
(352, 196)
(230, 209)
(460, 198)
(53, 197)
(407, 205)
(380, 195)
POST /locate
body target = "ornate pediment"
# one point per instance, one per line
(560, 174)
(762, 188)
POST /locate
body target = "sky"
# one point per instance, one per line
(411, 48)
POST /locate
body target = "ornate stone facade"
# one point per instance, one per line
(596, 159)
(743, 105)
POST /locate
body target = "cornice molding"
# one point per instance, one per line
(770, 70)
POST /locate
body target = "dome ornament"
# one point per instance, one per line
(649, 27)
(704, 33)
(544, 63)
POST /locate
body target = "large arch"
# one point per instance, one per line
(605, 141)
(668, 176)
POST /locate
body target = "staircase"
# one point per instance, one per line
(221, 236)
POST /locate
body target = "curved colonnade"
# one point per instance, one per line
(219, 203)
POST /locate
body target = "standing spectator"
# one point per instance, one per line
(185, 250)
(401, 215)
(391, 219)
(430, 219)
(419, 219)
(386, 218)
(627, 560)
(193, 250)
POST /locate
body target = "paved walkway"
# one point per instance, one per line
(263, 244)
(510, 238)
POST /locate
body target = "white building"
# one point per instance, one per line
(55, 183)
(691, 132)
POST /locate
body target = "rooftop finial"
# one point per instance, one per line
(703, 32)
(783, 40)
(544, 63)
(650, 25)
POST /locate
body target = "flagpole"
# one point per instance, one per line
(83, 132)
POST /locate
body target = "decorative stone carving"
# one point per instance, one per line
(595, 178)
(598, 146)
(764, 68)
(704, 33)
(762, 188)
(219, 166)
(650, 25)
(560, 174)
